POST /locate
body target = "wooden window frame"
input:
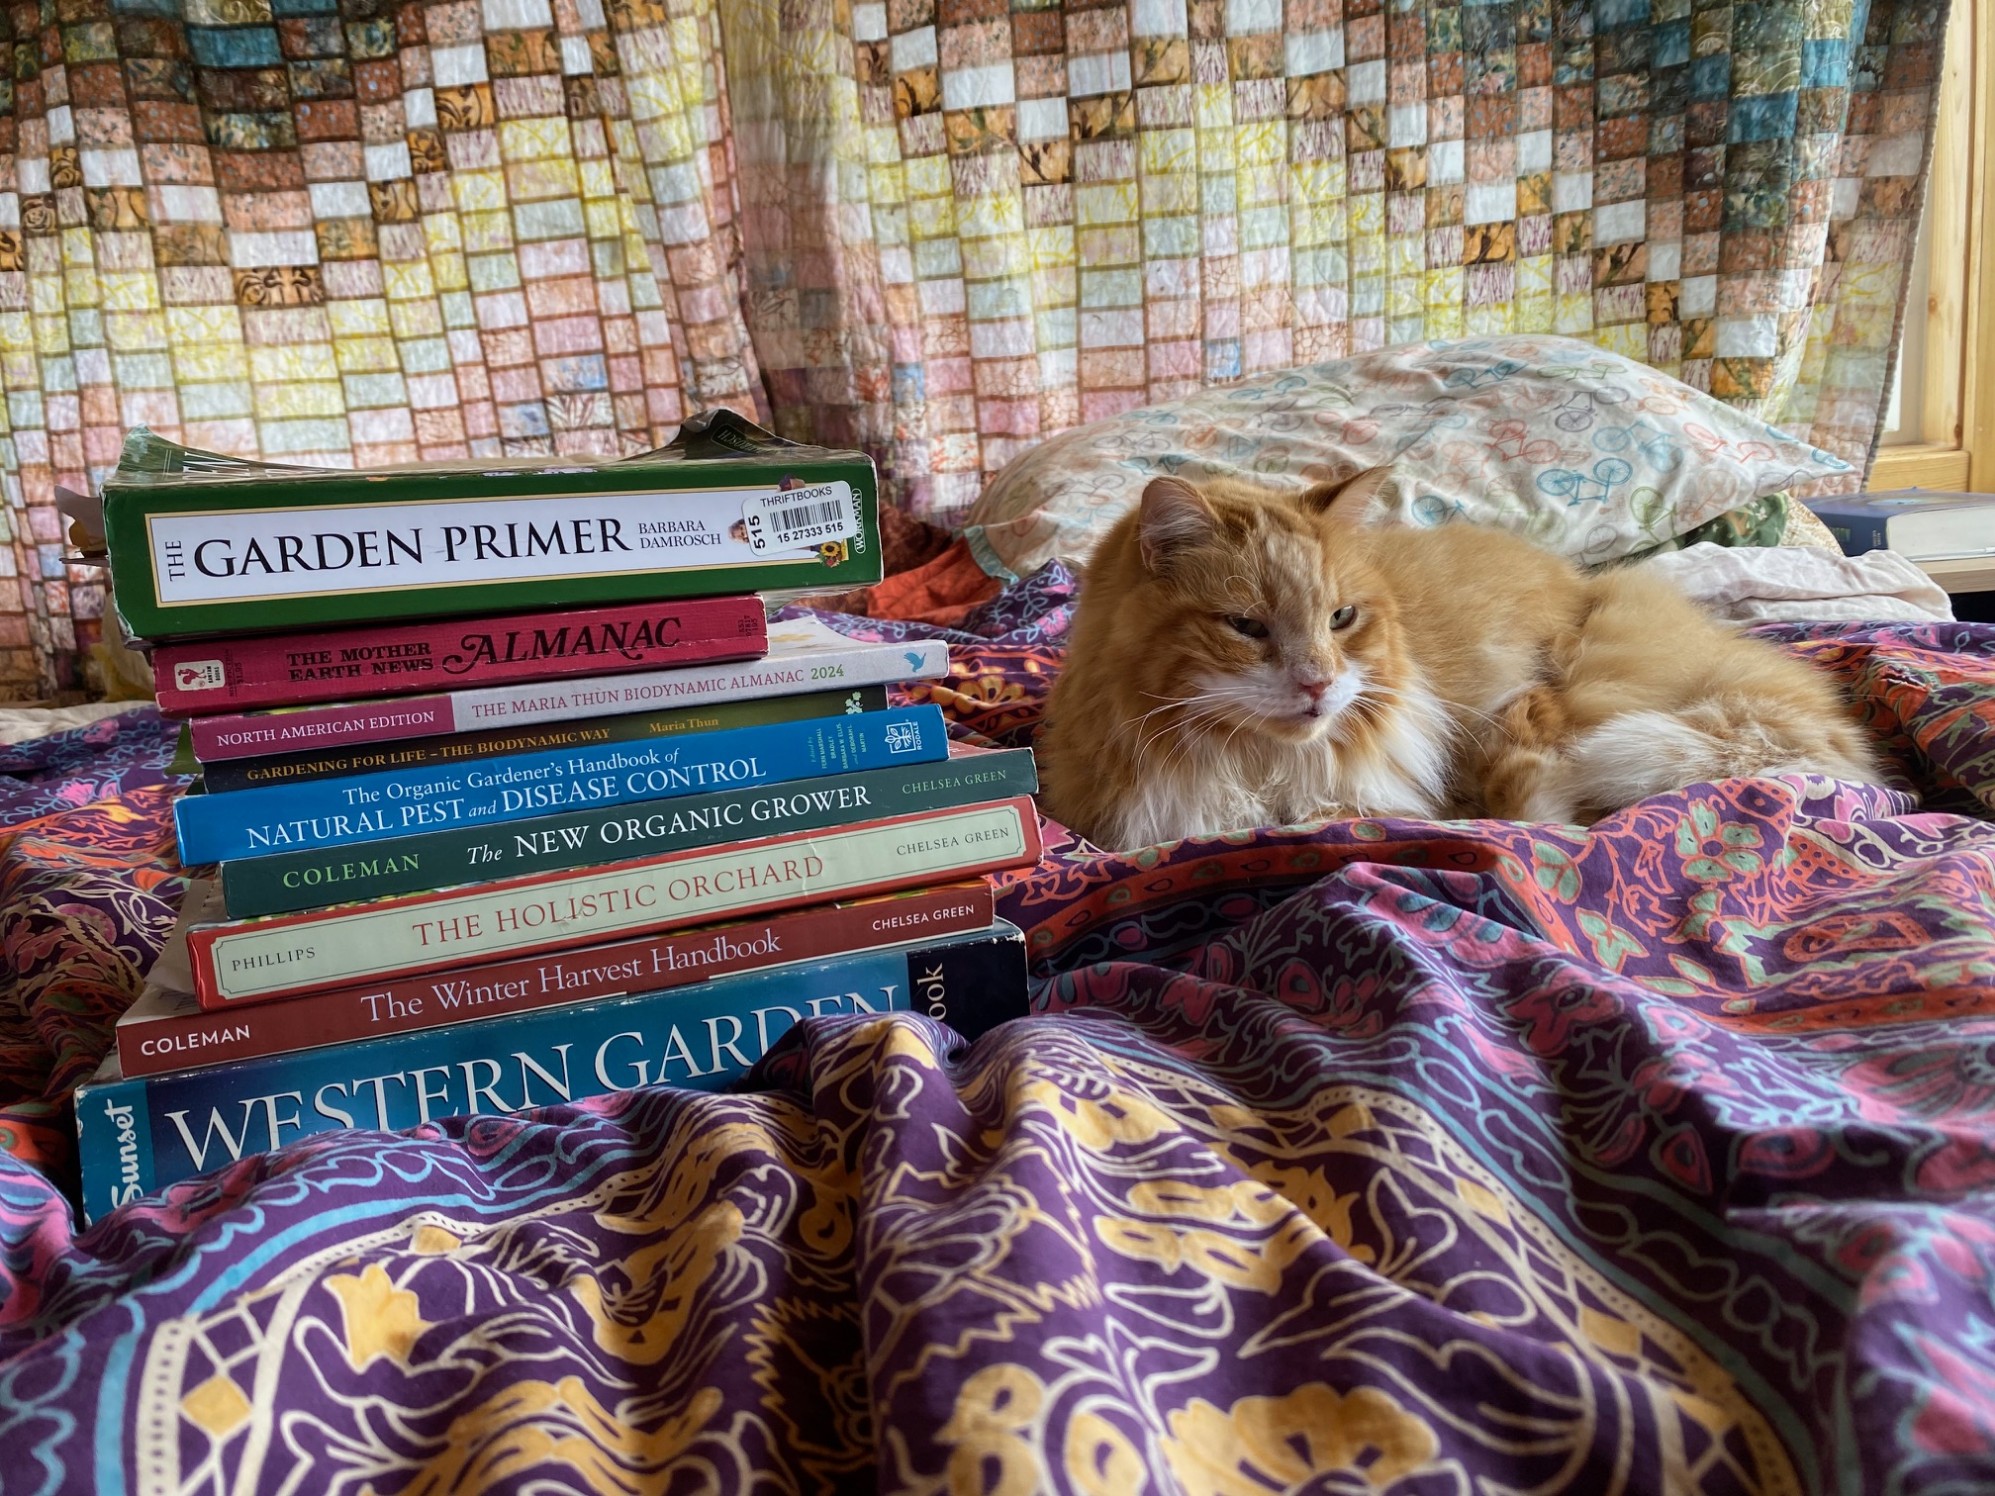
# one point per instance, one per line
(1957, 388)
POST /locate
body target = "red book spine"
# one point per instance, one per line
(277, 670)
(290, 955)
(651, 963)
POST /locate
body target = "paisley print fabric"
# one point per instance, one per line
(1360, 1157)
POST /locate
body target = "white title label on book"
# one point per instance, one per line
(817, 514)
(230, 555)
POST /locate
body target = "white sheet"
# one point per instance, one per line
(1758, 584)
(18, 724)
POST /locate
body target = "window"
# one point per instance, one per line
(1939, 429)
(1905, 413)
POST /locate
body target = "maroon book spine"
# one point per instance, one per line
(331, 724)
(255, 672)
(183, 1039)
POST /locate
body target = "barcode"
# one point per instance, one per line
(808, 516)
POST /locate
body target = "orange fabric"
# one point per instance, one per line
(940, 592)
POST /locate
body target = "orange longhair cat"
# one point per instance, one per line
(1244, 659)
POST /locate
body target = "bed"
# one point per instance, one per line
(1371, 1155)
(1365, 1156)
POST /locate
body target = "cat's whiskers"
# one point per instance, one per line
(1469, 711)
(1188, 740)
(1243, 699)
(1188, 745)
(1172, 702)
(1238, 728)
(1255, 697)
(1205, 702)
(1179, 752)
(1137, 724)
(1199, 709)
(1210, 707)
(1391, 694)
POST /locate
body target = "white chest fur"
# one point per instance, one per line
(1205, 783)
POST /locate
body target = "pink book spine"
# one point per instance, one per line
(240, 736)
(212, 676)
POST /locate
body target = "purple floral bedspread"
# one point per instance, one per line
(1377, 1156)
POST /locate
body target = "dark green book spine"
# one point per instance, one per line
(633, 727)
(195, 553)
(291, 881)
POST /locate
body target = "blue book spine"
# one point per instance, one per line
(137, 1136)
(370, 807)
(1856, 526)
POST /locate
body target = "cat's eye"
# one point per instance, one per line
(1344, 617)
(1253, 628)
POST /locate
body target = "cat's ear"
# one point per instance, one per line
(1175, 517)
(1345, 499)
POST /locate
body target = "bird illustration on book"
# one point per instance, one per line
(913, 659)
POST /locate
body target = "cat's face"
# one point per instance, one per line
(1263, 616)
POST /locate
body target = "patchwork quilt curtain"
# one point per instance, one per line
(971, 223)
(352, 231)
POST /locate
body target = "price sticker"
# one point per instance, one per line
(805, 516)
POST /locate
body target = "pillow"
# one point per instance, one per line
(1804, 527)
(1583, 450)
(1760, 522)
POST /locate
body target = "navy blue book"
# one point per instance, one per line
(137, 1136)
(1911, 521)
(372, 807)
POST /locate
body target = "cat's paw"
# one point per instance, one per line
(1334, 811)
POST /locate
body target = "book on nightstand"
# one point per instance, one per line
(1919, 524)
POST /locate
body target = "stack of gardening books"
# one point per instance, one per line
(513, 796)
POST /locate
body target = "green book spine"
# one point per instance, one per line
(288, 882)
(294, 768)
(208, 547)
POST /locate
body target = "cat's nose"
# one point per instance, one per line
(1312, 678)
